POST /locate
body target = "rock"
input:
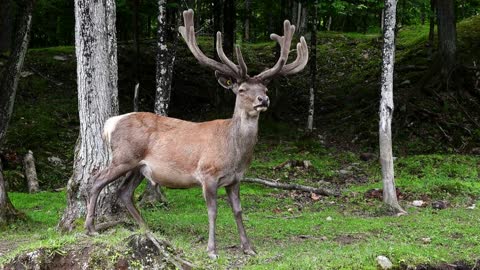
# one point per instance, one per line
(418, 203)
(475, 151)
(426, 240)
(368, 156)
(366, 56)
(439, 205)
(60, 58)
(344, 172)
(383, 262)
(329, 218)
(307, 164)
(340, 74)
(55, 160)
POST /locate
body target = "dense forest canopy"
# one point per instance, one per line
(53, 21)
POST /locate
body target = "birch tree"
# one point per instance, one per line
(386, 108)
(313, 67)
(96, 53)
(165, 62)
(8, 88)
(164, 74)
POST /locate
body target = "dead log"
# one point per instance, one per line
(30, 172)
(269, 183)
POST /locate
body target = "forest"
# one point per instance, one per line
(239, 134)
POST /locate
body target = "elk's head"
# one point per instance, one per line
(251, 91)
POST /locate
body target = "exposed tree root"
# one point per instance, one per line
(168, 255)
(269, 183)
(137, 251)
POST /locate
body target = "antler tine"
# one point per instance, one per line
(284, 42)
(301, 60)
(241, 62)
(188, 33)
(223, 57)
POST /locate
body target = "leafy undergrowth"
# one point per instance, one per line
(293, 230)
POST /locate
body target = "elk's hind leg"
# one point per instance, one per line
(126, 192)
(100, 180)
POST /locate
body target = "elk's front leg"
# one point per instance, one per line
(210, 194)
(233, 192)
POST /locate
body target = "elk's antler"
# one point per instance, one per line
(227, 67)
(280, 68)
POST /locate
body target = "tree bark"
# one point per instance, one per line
(6, 25)
(229, 19)
(7, 211)
(165, 62)
(447, 35)
(30, 172)
(96, 52)
(164, 75)
(247, 20)
(217, 14)
(136, 40)
(431, 32)
(313, 68)
(386, 108)
(8, 89)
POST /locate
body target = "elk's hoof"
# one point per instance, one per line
(213, 255)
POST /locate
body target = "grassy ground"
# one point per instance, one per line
(293, 230)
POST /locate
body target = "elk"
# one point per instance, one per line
(181, 154)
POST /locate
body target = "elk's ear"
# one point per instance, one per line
(225, 81)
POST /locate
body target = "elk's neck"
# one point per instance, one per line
(244, 130)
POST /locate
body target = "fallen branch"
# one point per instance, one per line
(268, 183)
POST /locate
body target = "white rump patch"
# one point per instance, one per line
(110, 126)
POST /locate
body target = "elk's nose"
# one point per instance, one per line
(264, 100)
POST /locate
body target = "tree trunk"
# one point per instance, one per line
(136, 40)
(386, 108)
(30, 172)
(229, 19)
(431, 32)
(382, 20)
(165, 62)
(217, 14)
(164, 75)
(447, 36)
(96, 52)
(6, 25)
(7, 211)
(313, 68)
(8, 89)
(247, 20)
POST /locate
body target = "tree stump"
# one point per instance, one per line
(30, 172)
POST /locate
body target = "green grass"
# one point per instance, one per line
(290, 230)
